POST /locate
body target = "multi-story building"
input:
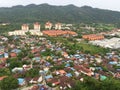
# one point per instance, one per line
(25, 28)
(36, 26)
(58, 26)
(48, 25)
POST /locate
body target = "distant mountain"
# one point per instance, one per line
(67, 14)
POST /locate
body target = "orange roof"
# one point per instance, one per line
(62, 72)
(58, 32)
(1, 78)
(93, 37)
(13, 54)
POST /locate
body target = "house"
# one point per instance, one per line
(65, 54)
(68, 75)
(54, 81)
(17, 69)
(36, 59)
(12, 54)
(60, 72)
(28, 79)
(21, 81)
(27, 67)
(84, 70)
(2, 49)
(16, 51)
(6, 55)
(36, 80)
(2, 65)
(35, 87)
(117, 75)
(102, 77)
(3, 60)
(48, 77)
(66, 82)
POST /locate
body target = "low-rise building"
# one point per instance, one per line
(93, 37)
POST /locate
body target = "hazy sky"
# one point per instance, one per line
(103, 4)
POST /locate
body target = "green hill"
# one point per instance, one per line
(67, 14)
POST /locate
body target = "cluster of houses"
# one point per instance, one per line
(55, 71)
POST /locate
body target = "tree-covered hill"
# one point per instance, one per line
(67, 14)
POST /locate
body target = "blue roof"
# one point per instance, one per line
(67, 65)
(72, 69)
(47, 64)
(16, 50)
(48, 77)
(102, 77)
(20, 80)
(36, 58)
(98, 68)
(69, 75)
(112, 62)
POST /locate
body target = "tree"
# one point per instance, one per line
(14, 64)
(28, 33)
(32, 73)
(9, 83)
(4, 71)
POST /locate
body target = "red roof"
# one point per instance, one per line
(13, 54)
(58, 32)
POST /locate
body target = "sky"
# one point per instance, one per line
(102, 4)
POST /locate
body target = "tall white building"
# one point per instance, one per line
(48, 25)
(25, 28)
(58, 26)
(36, 26)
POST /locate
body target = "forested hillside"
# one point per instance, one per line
(67, 14)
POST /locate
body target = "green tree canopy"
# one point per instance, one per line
(9, 83)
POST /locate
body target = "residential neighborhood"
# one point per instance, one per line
(54, 61)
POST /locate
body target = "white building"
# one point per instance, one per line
(58, 26)
(113, 43)
(25, 28)
(48, 25)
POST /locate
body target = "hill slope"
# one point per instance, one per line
(68, 14)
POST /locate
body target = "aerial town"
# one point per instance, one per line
(54, 58)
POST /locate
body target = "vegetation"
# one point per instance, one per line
(72, 46)
(4, 72)
(9, 83)
(93, 84)
(67, 14)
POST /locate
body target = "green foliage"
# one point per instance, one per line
(47, 52)
(9, 83)
(32, 73)
(4, 72)
(67, 14)
(9, 27)
(14, 64)
(28, 33)
(93, 84)
(59, 67)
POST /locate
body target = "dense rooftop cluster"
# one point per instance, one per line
(38, 61)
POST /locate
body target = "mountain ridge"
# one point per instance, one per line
(68, 14)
